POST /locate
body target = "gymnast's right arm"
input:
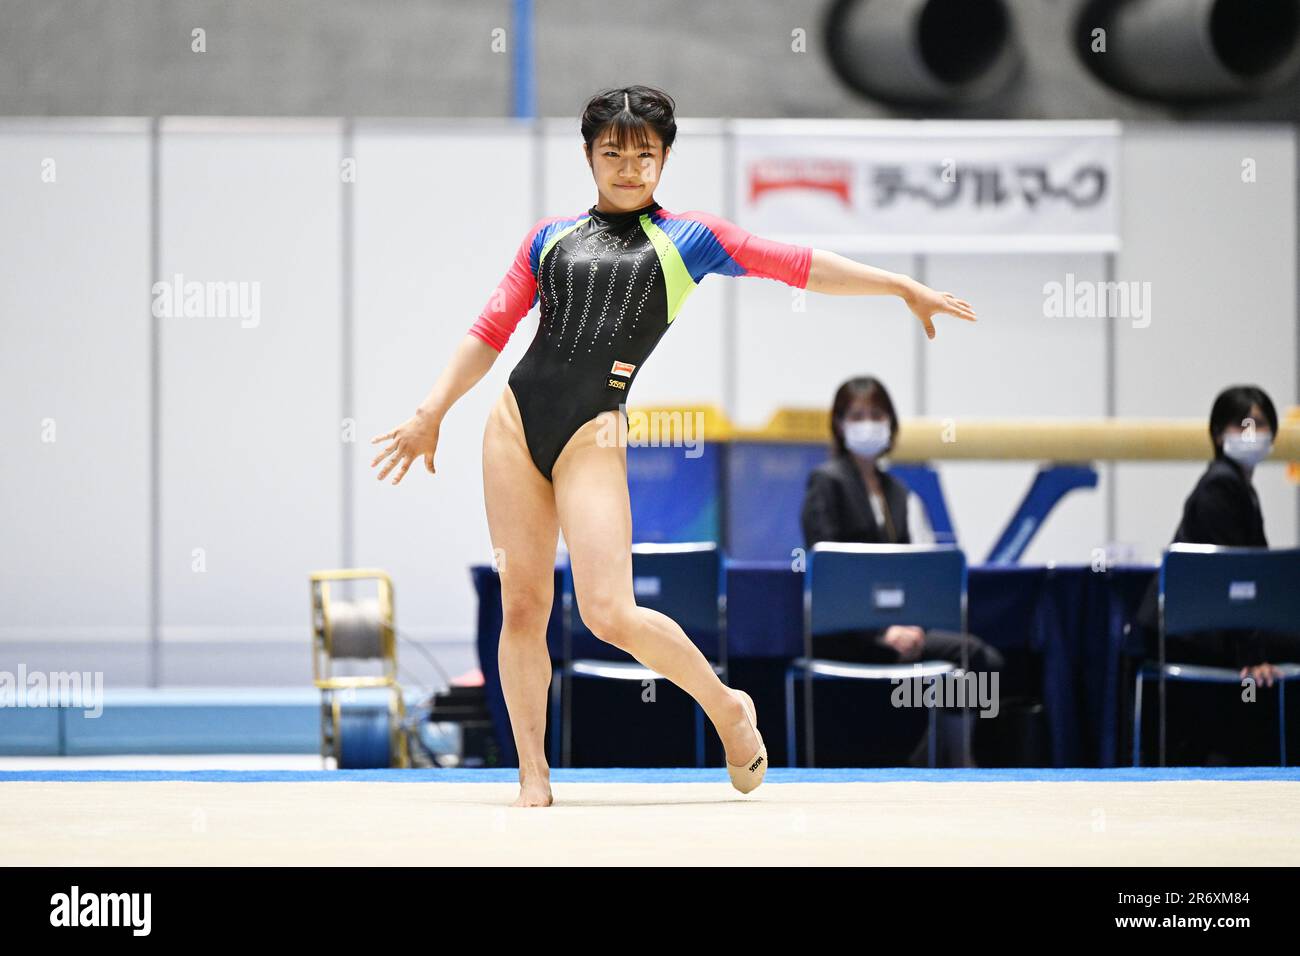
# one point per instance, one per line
(474, 355)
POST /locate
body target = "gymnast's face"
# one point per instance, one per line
(626, 176)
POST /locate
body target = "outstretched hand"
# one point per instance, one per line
(925, 302)
(416, 436)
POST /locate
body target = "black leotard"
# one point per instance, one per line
(610, 284)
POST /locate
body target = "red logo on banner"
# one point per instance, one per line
(622, 368)
(826, 175)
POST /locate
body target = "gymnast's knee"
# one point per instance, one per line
(525, 610)
(609, 619)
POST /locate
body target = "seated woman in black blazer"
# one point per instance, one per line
(1223, 509)
(851, 498)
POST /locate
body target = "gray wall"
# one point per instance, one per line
(435, 58)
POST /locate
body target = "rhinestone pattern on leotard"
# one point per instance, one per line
(606, 267)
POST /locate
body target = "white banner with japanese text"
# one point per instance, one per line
(929, 186)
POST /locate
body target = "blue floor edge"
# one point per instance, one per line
(776, 775)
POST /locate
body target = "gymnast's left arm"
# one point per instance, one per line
(835, 274)
(736, 251)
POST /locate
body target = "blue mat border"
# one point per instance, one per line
(776, 775)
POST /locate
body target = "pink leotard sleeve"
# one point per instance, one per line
(514, 295)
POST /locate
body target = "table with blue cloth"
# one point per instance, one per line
(1062, 630)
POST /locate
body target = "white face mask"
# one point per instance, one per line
(1247, 453)
(866, 438)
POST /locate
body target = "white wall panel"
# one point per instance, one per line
(440, 211)
(74, 366)
(250, 404)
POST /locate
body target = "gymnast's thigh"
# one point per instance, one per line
(595, 514)
(521, 513)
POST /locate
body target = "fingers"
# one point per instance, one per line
(406, 464)
(929, 326)
(401, 455)
(400, 458)
(384, 454)
(393, 463)
(959, 307)
(394, 453)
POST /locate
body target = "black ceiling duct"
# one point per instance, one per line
(922, 52)
(1188, 50)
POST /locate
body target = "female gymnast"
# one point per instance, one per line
(610, 282)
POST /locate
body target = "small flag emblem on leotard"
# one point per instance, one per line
(622, 368)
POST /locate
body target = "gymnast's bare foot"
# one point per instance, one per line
(534, 790)
(740, 742)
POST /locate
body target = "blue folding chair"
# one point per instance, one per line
(1206, 587)
(687, 582)
(871, 586)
